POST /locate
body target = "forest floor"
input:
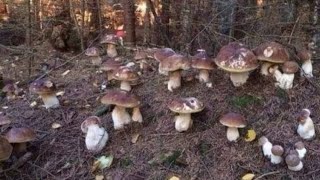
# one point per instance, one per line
(160, 152)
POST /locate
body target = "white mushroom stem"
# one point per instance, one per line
(174, 80)
(96, 138)
(50, 100)
(136, 115)
(296, 168)
(306, 130)
(276, 159)
(232, 134)
(265, 68)
(183, 122)
(204, 75)
(96, 60)
(161, 71)
(20, 147)
(109, 75)
(306, 69)
(125, 85)
(120, 117)
(266, 149)
(112, 51)
(302, 152)
(238, 79)
(284, 81)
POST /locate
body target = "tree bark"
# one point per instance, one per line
(165, 17)
(129, 22)
(185, 29)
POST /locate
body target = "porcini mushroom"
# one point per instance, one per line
(5, 149)
(94, 55)
(306, 68)
(122, 99)
(111, 41)
(294, 163)
(109, 67)
(96, 136)
(299, 146)
(174, 64)
(271, 53)
(185, 106)
(202, 62)
(306, 127)
(161, 54)
(233, 121)
(238, 60)
(285, 79)
(125, 75)
(266, 146)
(276, 154)
(19, 137)
(46, 89)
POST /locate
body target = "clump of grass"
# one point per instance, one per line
(282, 94)
(244, 101)
(125, 162)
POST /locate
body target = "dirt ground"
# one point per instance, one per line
(202, 152)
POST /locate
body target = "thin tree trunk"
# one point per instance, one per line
(147, 25)
(129, 22)
(185, 29)
(165, 17)
(29, 38)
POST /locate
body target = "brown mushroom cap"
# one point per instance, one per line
(5, 149)
(299, 145)
(90, 121)
(109, 39)
(271, 52)
(235, 57)
(120, 98)
(110, 65)
(175, 62)
(233, 120)
(186, 105)
(292, 160)
(125, 73)
(163, 53)
(92, 51)
(4, 119)
(277, 150)
(42, 87)
(304, 55)
(290, 67)
(202, 61)
(20, 135)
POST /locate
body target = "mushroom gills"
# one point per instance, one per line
(204, 75)
(296, 168)
(96, 138)
(306, 69)
(174, 80)
(183, 122)
(232, 134)
(238, 79)
(136, 115)
(112, 51)
(120, 117)
(125, 85)
(50, 101)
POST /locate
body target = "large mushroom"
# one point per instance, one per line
(111, 41)
(270, 53)
(122, 99)
(202, 62)
(96, 136)
(174, 64)
(109, 67)
(5, 149)
(238, 60)
(125, 75)
(185, 106)
(19, 137)
(306, 68)
(161, 54)
(94, 54)
(46, 89)
(285, 79)
(233, 121)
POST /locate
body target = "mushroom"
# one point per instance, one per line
(110, 66)
(266, 146)
(300, 149)
(96, 136)
(162, 54)
(306, 68)
(122, 99)
(11, 90)
(306, 127)
(46, 90)
(285, 79)
(270, 53)
(174, 64)
(140, 57)
(238, 60)
(294, 163)
(5, 149)
(111, 42)
(276, 154)
(233, 121)
(185, 106)
(19, 137)
(202, 62)
(94, 55)
(125, 75)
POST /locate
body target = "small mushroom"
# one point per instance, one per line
(238, 60)
(302, 151)
(294, 163)
(46, 90)
(122, 99)
(306, 68)
(11, 90)
(202, 62)
(266, 146)
(94, 55)
(233, 121)
(174, 64)
(285, 79)
(5, 149)
(111, 41)
(161, 54)
(125, 75)
(19, 137)
(141, 57)
(276, 154)
(96, 136)
(110, 66)
(306, 127)
(185, 106)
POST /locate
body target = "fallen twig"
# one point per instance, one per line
(267, 174)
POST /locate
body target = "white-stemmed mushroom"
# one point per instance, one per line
(47, 91)
(276, 154)
(306, 127)
(306, 68)
(161, 54)
(293, 162)
(125, 75)
(238, 60)
(110, 41)
(266, 146)
(233, 121)
(96, 136)
(185, 106)
(202, 62)
(302, 151)
(94, 54)
(109, 67)
(285, 79)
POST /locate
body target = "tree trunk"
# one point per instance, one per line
(129, 22)
(185, 26)
(165, 18)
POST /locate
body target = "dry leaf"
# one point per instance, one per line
(135, 138)
(102, 162)
(66, 72)
(248, 176)
(55, 125)
(174, 178)
(99, 177)
(250, 136)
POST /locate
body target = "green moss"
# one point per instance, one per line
(244, 101)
